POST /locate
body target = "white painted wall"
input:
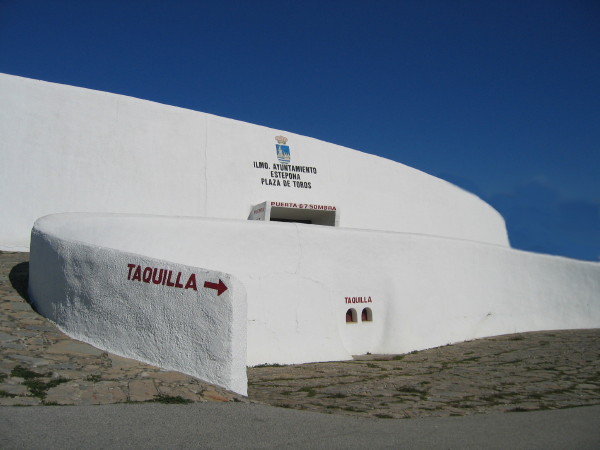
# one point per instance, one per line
(426, 291)
(433, 259)
(71, 149)
(93, 294)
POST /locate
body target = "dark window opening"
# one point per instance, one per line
(302, 215)
(366, 315)
(291, 220)
(351, 316)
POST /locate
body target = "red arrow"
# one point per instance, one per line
(219, 287)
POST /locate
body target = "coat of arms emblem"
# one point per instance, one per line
(283, 150)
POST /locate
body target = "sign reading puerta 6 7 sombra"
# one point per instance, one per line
(284, 173)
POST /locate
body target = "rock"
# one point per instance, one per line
(179, 391)
(31, 360)
(142, 390)
(14, 389)
(170, 377)
(119, 362)
(74, 348)
(5, 337)
(20, 401)
(214, 396)
(102, 393)
(64, 394)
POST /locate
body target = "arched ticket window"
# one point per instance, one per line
(351, 316)
(366, 315)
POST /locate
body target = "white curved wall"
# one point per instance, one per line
(73, 149)
(430, 260)
(152, 310)
(425, 291)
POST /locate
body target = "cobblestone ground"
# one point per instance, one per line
(520, 372)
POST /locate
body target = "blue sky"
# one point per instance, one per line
(499, 97)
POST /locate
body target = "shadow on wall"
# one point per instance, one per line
(19, 278)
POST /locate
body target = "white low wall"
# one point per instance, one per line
(149, 309)
(424, 291)
(71, 149)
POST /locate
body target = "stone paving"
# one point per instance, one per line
(522, 372)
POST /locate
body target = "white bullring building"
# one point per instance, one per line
(206, 245)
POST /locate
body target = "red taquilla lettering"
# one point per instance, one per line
(137, 275)
(155, 279)
(191, 282)
(169, 282)
(304, 206)
(177, 283)
(147, 275)
(163, 277)
(366, 299)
